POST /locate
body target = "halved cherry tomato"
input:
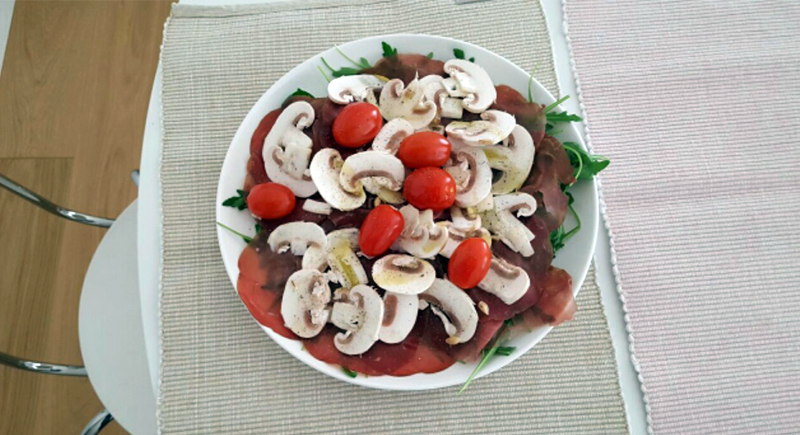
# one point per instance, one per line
(469, 263)
(431, 188)
(270, 200)
(380, 229)
(357, 124)
(426, 148)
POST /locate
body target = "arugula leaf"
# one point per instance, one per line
(349, 372)
(505, 350)
(388, 50)
(362, 63)
(300, 93)
(328, 79)
(563, 117)
(509, 322)
(487, 354)
(560, 235)
(239, 201)
(430, 55)
(586, 165)
(458, 53)
(554, 105)
(472, 59)
(344, 71)
(557, 239)
(258, 228)
(247, 239)
(530, 83)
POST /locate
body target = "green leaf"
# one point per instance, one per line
(258, 228)
(487, 355)
(563, 117)
(472, 59)
(509, 322)
(505, 350)
(239, 201)
(345, 71)
(586, 165)
(364, 63)
(430, 55)
(458, 53)
(554, 105)
(300, 93)
(361, 64)
(328, 79)
(247, 239)
(388, 50)
(349, 372)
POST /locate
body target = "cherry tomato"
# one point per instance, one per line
(469, 263)
(431, 188)
(426, 148)
(357, 124)
(270, 200)
(380, 229)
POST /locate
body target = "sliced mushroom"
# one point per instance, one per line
(455, 236)
(325, 168)
(317, 207)
(506, 281)
(348, 89)
(389, 196)
(473, 80)
(502, 222)
(391, 135)
(398, 101)
(453, 88)
(421, 237)
(446, 106)
(399, 316)
(487, 204)
(464, 222)
(514, 159)
(385, 169)
(297, 236)
(403, 274)
(315, 258)
(304, 303)
(287, 149)
(361, 318)
(494, 126)
(341, 256)
(454, 307)
(473, 176)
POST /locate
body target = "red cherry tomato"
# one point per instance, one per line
(357, 124)
(270, 200)
(426, 148)
(431, 188)
(469, 263)
(380, 229)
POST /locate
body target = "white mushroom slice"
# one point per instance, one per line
(399, 316)
(446, 106)
(325, 168)
(341, 256)
(304, 303)
(494, 126)
(385, 169)
(430, 78)
(473, 80)
(287, 149)
(506, 281)
(317, 207)
(455, 236)
(403, 274)
(487, 204)
(391, 135)
(502, 222)
(472, 175)
(450, 108)
(454, 307)
(348, 89)
(514, 159)
(315, 258)
(386, 195)
(398, 101)
(297, 236)
(421, 237)
(453, 88)
(464, 222)
(361, 318)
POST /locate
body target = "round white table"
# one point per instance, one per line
(149, 230)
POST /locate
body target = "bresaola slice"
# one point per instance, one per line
(551, 169)
(529, 115)
(406, 67)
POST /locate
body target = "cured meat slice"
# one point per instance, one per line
(406, 66)
(529, 115)
(556, 305)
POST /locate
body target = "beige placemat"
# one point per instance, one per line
(220, 373)
(697, 103)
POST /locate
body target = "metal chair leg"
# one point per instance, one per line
(135, 177)
(57, 210)
(97, 424)
(41, 367)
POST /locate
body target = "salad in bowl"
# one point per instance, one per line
(406, 217)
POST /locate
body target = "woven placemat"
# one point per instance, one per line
(219, 372)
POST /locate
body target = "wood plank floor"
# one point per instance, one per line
(74, 90)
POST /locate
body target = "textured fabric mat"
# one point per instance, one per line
(698, 106)
(220, 373)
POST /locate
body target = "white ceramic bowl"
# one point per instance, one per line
(574, 257)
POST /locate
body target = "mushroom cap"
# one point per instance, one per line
(399, 101)
(325, 168)
(297, 236)
(403, 274)
(522, 203)
(399, 316)
(391, 135)
(473, 80)
(361, 317)
(304, 302)
(473, 176)
(389, 196)
(384, 168)
(287, 149)
(421, 237)
(341, 257)
(454, 307)
(464, 222)
(502, 222)
(514, 159)
(315, 258)
(494, 126)
(506, 281)
(349, 89)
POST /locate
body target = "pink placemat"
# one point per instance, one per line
(697, 103)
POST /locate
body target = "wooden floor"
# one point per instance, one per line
(74, 90)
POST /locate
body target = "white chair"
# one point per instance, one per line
(109, 323)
